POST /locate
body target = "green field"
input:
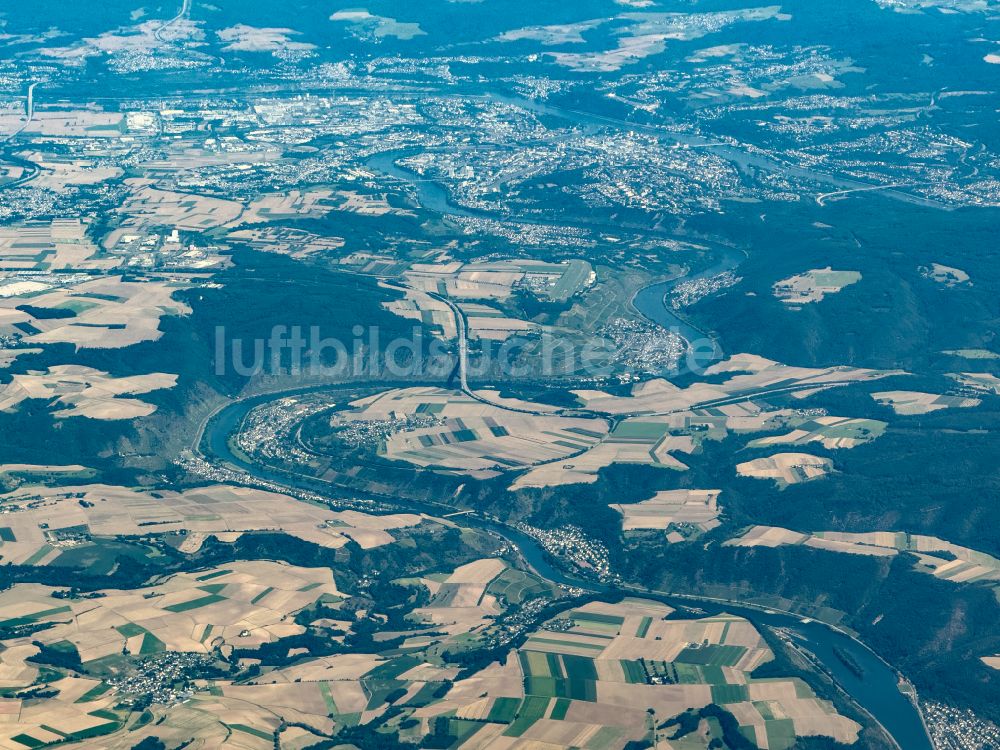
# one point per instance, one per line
(202, 601)
(532, 709)
(712, 655)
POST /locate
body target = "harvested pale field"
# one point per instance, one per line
(495, 681)
(34, 516)
(914, 402)
(32, 471)
(342, 671)
(813, 286)
(85, 392)
(787, 468)
(510, 402)
(586, 684)
(699, 508)
(498, 279)
(494, 328)
(60, 174)
(456, 281)
(228, 723)
(295, 243)
(584, 468)
(295, 204)
(244, 604)
(667, 420)
(65, 123)
(106, 313)
(366, 204)
(750, 375)
(469, 436)
(7, 356)
(148, 208)
(460, 602)
(64, 714)
(972, 353)
(947, 275)
(978, 381)
(830, 432)
(421, 307)
(938, 557)
(767, 536)
(59, 244)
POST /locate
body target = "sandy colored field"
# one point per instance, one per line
(236, 720)
(63, 712)
(750, 375)
(295, 243)
(667, 420)
(498, 279)
(460, 602)
(366, 205)
(7, 356)
(244, 604)
(340, 668)
(972, 353)
(65, 123)
(915, 402)
(40, 469)
(584, 468)
(421, 307)
(978, 381)
(830, 432)
(469, 436)
(698, 508)
(786, 468)
(106, 313)
(60, 174)
(947, 275)
(767, 536)
(34, 515)
(85, 392)
(936, 556)
(295, 204)
(813, 286)
(148, 207)
(468, 282)
(59, 244)
(487, 322)
(607, 637)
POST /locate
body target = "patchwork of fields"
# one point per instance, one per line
(604, 675)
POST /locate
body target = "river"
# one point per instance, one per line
(650, 301)
(875, 689)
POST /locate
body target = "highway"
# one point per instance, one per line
(182, 13)
(29, 110)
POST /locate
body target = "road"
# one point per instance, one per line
(29, 111)
(822, 199)
(182, 13)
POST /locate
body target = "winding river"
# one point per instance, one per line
(874, 687)
(872, 683)
(650, 301)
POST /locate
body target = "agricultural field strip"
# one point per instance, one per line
(32, 517)
(938, 557)
(613, 661)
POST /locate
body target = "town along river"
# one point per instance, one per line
(651, 303)
(869, 681)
